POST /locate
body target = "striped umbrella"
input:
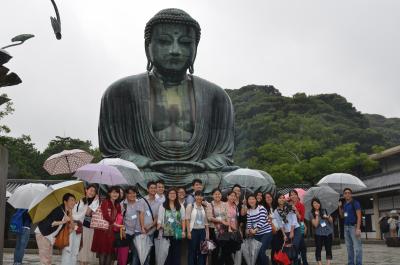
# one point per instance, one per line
(67, 162)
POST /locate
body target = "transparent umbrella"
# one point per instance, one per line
(339, 181)
(143, 245)
(161, 245)
(250, 249)
(329, 198)
(251, 179)
(128, 169)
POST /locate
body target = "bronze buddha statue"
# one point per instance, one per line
(172, 124)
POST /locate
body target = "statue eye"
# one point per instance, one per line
(164, 41)
(186, 41)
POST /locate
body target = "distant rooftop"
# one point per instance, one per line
(386, 153)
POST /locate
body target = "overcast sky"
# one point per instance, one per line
(346, 47)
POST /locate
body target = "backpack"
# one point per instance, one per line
(16, 223)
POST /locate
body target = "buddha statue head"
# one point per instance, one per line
(171, 39)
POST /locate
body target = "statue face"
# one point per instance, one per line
(172, 48)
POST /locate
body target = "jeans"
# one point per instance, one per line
(195, 257)
(303, 250)
(296, 241)
(20, 246)
(174, 252)
(353, 244)
(265, 239)
(276, 245)
(319, 242)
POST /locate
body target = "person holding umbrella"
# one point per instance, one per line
(259, 227)
(171, 220)
(131, 220)
(287, 222)
(103, 240)
(49, 227)
(70, 252)
(351, 212)
(218, 224)
(148, 216)
(22, 234)
(300, 211)
(322, 223)
(91, 200)
(21, 222)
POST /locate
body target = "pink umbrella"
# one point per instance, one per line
(301, 193)
(100, 174)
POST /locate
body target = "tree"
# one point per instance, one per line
(24, 159)
(5, 110)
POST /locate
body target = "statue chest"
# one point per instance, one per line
(172, 111)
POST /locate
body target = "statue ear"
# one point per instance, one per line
(149, 66)
(191, 68)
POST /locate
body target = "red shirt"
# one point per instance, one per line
(302, 210)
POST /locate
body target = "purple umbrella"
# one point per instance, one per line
(100, 174)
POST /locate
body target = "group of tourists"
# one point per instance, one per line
(224, 220)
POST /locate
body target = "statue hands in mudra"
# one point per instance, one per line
(166, 120)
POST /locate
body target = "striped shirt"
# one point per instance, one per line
(257, 218)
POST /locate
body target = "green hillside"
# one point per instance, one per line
(302, 138)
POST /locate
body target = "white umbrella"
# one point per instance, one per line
(329, 198)
(161, 245)
(25, 194)
(250, 250)
(340, 181)
(128, 169)
(143, 245)
(8, 194)
(67, 162)
(249, 178)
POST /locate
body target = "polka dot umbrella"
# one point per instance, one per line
(67, 162)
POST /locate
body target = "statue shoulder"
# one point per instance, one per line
(126, 84)
(210, 87)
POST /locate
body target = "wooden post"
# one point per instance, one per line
(3, 186)
(375, 203)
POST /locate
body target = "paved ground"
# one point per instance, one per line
(373, 255)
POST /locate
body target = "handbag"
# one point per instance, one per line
(290, 251)
(62, 238)
(98, 221)
(207, 246)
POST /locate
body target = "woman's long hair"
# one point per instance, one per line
(274, 204)
(90, 200)
(176, 202)
(321, 210)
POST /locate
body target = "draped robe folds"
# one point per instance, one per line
(125, 130)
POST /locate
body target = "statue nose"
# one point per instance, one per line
(175, 49)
